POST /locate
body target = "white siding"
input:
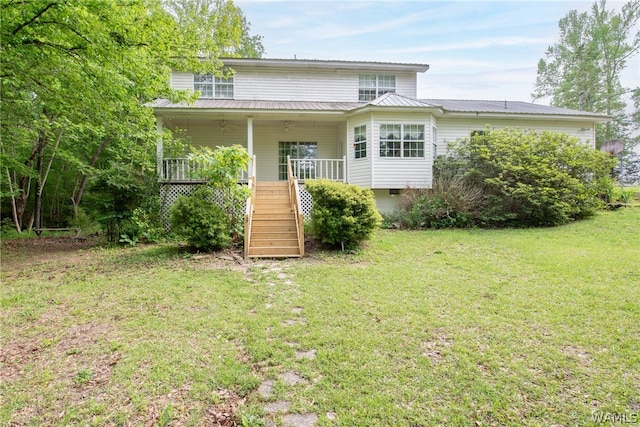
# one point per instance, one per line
(450, 130)
(401, 172)
(211, 135)
(297, 85)
(181, 80)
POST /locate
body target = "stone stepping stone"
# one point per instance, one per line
(299, 420)
(266, 388)
(292, 322)
(292, 378)
(275, 407)
(296, 310)
(309, 355)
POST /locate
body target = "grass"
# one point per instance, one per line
(446, 327)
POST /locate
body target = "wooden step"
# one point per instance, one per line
(274, 233)
(270, 228)
(266, 235)
(275, 252)
(270, 243)
(266, 216)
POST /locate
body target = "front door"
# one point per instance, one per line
(299, 151)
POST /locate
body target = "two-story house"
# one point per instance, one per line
(357, 122)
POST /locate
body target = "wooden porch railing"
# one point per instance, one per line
(332, 169)
(184, 170)
(248, 213)
(296, 205)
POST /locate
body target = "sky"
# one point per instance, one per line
(475, 49)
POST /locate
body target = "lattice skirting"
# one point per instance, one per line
(169, 193)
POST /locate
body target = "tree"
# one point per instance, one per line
(582, 70)
(75, 82)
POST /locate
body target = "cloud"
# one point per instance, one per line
(474, 44)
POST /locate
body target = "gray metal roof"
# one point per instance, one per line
(505, 107)
(388, 100)
(394, 100)
(330, 64)
(229, 104)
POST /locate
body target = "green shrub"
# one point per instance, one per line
(343, 215)
(203, 224)
(449, 203)
(531, 178)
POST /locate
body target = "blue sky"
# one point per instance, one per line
(476, 50)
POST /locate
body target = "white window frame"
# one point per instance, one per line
(434, 144)
(360, 142)
(211, 87)
(371, 86)
(402, 144)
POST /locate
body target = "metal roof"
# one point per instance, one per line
(318, 63)
(505, 107)
(229, 104)
(388, 100)
(394, 100)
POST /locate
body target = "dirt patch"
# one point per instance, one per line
(50, 244)
(19, 255)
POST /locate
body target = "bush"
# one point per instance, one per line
(343, 215)
(449, 203)
(530, 178)
(203, 224)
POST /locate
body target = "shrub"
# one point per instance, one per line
(203, 224)
(530, 178)
(343, 215)
(220, 170)
(449, 203)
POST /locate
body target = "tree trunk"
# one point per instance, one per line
(82, 179)
(14, 207)
(43, 174)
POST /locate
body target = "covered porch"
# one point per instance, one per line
(316, 147)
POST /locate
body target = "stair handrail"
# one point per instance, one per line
(296, 205)
(249, 208)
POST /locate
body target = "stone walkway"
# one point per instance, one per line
(279, 410)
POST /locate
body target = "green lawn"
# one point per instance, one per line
(447, 327)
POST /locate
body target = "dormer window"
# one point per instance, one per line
(374, 85)
(212, 87)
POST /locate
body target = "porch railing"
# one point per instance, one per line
(185, 170)
(331, 169)
(296, 205)
(249, 208)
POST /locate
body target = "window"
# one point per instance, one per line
(372, 86)
(213, 87)
(434, 136)
(401, 140)
(298, 151)
(360, 142)
(413, 140)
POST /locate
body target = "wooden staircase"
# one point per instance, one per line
(274, 229)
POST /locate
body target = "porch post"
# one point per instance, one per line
(159, 148)
(250, 135)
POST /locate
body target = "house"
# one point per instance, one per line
(357, 122)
